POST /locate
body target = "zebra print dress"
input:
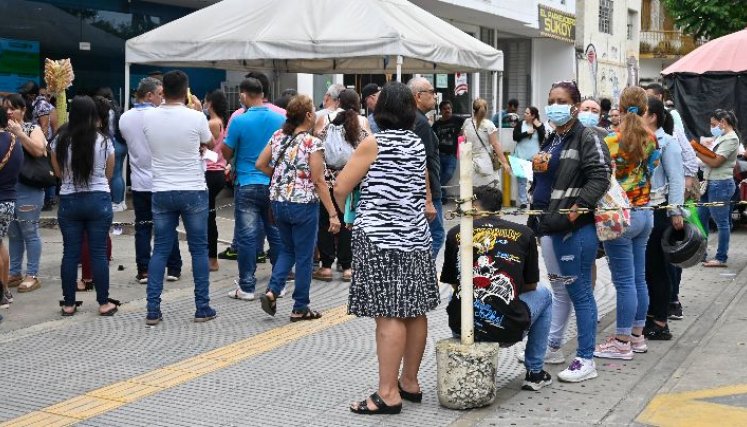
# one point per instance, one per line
(394, 273)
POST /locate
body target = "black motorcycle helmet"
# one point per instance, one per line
(684, 248)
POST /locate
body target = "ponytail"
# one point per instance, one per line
(351, 103)
(480, 110)
(634, 135)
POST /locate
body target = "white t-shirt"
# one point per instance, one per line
(131, 127)
(484, 130)
(102, 149)
(174, 134)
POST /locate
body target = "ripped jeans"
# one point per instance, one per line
(24, 237)
(568, 259)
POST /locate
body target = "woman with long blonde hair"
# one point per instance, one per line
(635, 154)
(483, 135)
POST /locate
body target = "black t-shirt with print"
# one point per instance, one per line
(447, 132)
(505, 259)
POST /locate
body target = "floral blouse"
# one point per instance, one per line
(635, 178)
(291, 181)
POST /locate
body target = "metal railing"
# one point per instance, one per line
(667, 43)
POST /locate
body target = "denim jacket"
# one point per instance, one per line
(668, 179)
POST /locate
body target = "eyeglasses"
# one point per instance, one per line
(431, 91)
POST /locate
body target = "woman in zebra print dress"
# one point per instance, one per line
(394, 273)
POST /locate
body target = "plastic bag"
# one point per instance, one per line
(612, 217)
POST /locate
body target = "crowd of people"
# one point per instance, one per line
(365, 190)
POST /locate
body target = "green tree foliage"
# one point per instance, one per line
(708, 18)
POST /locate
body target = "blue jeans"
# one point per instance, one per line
(539, 302)
(298, 224)
(261, 236)
(626, 256)
(521, 189)
(192, 207)
(24, 236)
(142, 202)
(252, 203)
(575, 253)
(118, 182)
(719, 191)
(89, 212)
(448, 166)
(438, 234)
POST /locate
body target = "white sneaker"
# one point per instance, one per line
(239, 294)
(579, 370)
(552, 357)
(119, 207)
(638, 344)
(614, 349)
(282, 293)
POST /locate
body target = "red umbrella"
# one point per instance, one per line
(725, 54)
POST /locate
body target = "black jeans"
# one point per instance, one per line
(333, 246)
(142, 202)
(659, 277)
(215, 180)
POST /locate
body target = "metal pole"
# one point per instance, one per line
(399, 68)
(465, 243)
(495, 92)
(127, 87)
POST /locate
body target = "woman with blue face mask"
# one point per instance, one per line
(718, 173)
(571, 171)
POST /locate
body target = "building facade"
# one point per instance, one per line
(607, 46)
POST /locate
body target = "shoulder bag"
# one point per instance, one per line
(37, 171)
(493, 155)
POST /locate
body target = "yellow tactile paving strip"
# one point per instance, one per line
(113, 396)
(688, 409)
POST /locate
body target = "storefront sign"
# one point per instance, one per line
(556, 24)
(19, 63)
(442, 81)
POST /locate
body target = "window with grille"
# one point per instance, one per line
(632, 18)
(606, 9)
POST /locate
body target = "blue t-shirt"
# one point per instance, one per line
(9, 172)
(544, 180)
(248, 135)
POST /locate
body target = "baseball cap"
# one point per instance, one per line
(370, 89)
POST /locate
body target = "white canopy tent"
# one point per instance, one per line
(314, 36)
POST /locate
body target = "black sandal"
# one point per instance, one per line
(305, 314)
(412, 397)
(381, 407)
(112, 310)
(269, 306)
(71, 313)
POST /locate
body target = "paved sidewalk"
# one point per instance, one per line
(246, 369)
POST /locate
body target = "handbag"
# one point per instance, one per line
(612, 217)
(496, 162)
(37, 171)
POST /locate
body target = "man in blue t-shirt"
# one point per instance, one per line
(248, 135)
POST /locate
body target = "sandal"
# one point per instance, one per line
(111, 311)
(381, 407)
(69, 313)
(87, 285)
(412, 397)
(305, 314)
(322, 277)
(29, 285)
(714, 263)
(269, 306)
(347, 275)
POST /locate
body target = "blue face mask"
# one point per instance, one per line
(717, 131)
(558, 114)
(588, 118)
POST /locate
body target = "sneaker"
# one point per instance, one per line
(282, 293)
(8, 296)
(291, 277)
(552, 356)
(658, 333)
(142, 278)
(229, 254)
(638, 344)
(173, 276)
(534, 381)
(579, 370)
(153, 318)
(4, 303)
(239, 294)
(674, 311)
(119, 207)
(205, 315)
(614, 349)
(261, 258)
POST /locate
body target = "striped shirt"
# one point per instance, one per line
(392, 203)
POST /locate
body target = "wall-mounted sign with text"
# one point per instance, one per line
(556, 24)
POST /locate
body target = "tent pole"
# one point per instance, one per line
(500, 93)
(495, 92)
(399, 68)
(127, 87)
